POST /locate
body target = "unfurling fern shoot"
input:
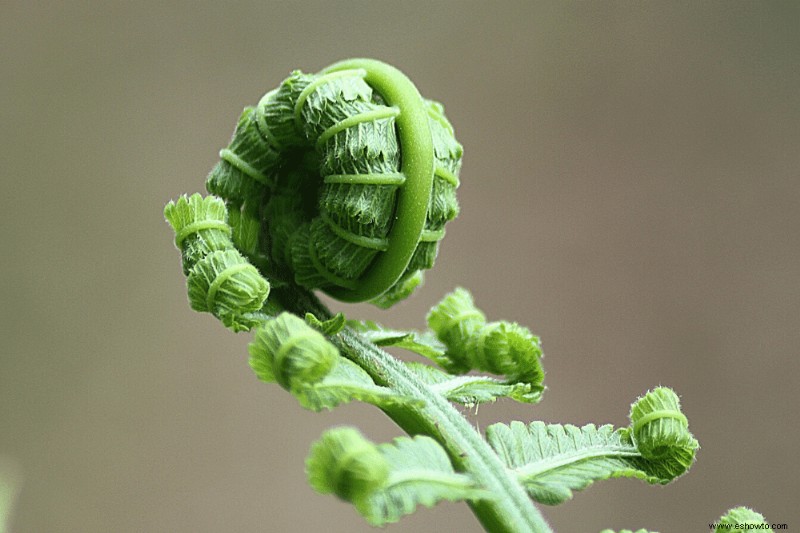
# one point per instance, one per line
(352, 176)
(343, 181)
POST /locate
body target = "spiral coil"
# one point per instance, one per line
(353, 176)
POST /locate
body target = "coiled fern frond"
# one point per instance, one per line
(343, 181)
(350, 175)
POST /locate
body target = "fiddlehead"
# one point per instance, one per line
(502, 347)
(220, 280)
(291, 352)
(346, 180)
(386, 481)
(740, 518)
(660, 431)
(343, 181)
(345, 463)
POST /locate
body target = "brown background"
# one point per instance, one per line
(630, 190)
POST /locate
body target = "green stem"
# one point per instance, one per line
(511, 511)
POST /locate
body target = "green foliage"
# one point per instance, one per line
(387, 481)
(344, 181)
(552, 460)
(348, 382)
(327, 327)
(461, 341)
(472, 390)
(297, 356)
(425, 344)
(503, 348)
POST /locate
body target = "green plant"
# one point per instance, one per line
(343, 182)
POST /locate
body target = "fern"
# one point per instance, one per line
(343, 181)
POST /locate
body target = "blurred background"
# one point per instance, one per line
(630, 190)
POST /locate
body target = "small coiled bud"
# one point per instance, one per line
(508, 349)
(345, 463)
(226, 285)
(456, 319)
(658, 424)
(291, 352)
(504, 348)
(200, 226)
(741, 517)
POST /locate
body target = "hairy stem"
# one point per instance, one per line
(511, 510)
